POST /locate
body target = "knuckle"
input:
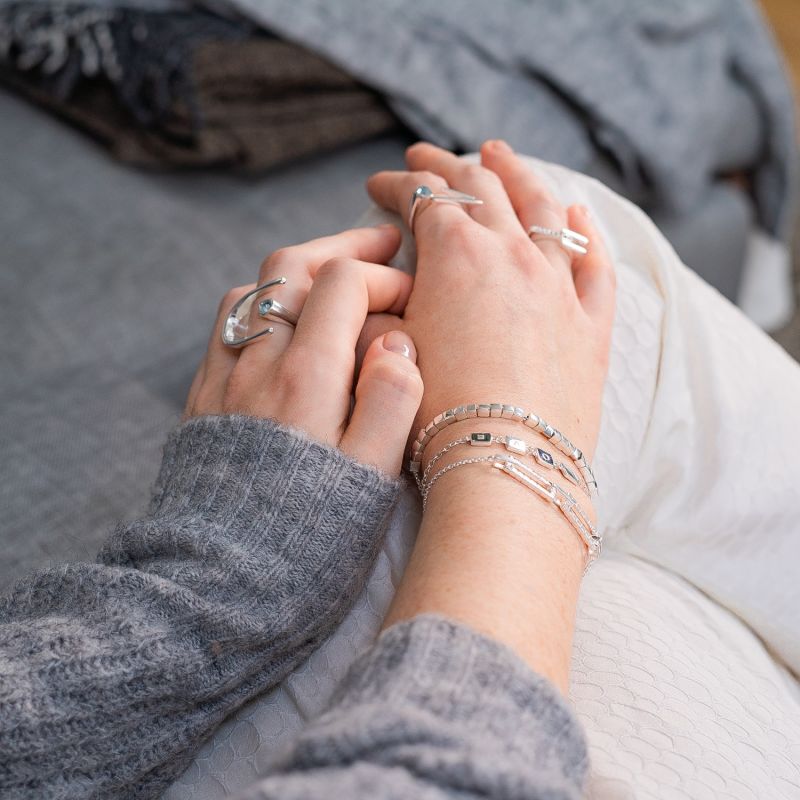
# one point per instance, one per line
(396, 378)
(232, 296)
(546, 204)
(277, 260)
(523, 252)
(429, 178)
(454, 226)
(301, 371)
(333, 267)
(479, 174)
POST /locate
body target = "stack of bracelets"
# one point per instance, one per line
(578, 472)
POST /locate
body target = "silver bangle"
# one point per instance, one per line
(504, 411)
(560, 498)
(513, 445)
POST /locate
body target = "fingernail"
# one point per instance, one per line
(585, 211)
(385, 225)
(501, 146)
(399, 342)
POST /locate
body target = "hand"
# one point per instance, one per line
(303, 376)
(497, 318)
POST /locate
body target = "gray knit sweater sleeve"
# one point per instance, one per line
(258, 540)
(436, 711)
(112, 674)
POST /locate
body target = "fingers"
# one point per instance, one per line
(197, 382)
(374, 326)
(532, 201)
(299, 264)
(393, 190)
(594, 276)
(496, 212)
(388, 395)
(376, 244)
(207, 394)
(345, 290)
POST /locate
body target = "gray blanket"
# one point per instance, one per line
(663, 89)
(681, 105)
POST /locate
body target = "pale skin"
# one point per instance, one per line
(490, 317)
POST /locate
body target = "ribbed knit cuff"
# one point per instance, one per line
(243, 471)
(266, 500)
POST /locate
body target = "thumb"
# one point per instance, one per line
(388, 394)
(375, 325)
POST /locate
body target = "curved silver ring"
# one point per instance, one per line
(426, 195)
(235, 329)
(570, 240)
(271, 306)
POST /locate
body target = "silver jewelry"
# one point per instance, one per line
(560, 498)
(514, 445)
(546, 489)
(425, 195)
(449, 468)
(501, 410)
(239, 330)
(271, 306)
(568, 239)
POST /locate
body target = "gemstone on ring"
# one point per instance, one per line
(426, 194)
(242, 326)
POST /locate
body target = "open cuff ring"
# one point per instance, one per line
(425, 195)
(240, 328)
(568, 239)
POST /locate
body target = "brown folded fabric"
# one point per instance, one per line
(246, 104)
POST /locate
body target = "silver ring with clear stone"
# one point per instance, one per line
(239, 329)
(424, 196)
(570, 240)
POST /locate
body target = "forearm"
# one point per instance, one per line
(257, 543)
(436, 710)
(497, 557)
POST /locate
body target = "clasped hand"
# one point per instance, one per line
(490, 316)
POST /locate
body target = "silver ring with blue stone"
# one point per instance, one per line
(424, 196)
(242, 326)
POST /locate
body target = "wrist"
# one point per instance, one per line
(492, 555)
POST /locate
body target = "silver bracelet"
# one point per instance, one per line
(499, 410)
(513, 445)
(560, 498)
(444, 470)
(550, 491)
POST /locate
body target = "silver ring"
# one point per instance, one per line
(236, 330)
(568, 239)
(426, 195)
(271, 306)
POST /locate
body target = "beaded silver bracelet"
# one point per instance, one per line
(513, 445)
(560, 498)
(499, 410)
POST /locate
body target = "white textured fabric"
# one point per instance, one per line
(697, 469)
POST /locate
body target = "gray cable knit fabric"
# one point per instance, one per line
(257, 542)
